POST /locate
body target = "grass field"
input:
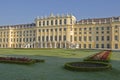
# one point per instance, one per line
(53, 69)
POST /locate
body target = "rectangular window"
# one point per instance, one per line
(108, 45)
(80, 38)
(75, 38)
(116, 38)
(47, 30)
(23, 39)
(84, 45)
(85, 28)
(97, 28)
(59, 38)
(51, 38)
(55, 38)
(116, 46)
(108, 28)
(46, 38)
(90, 46)
(85, 32)
(79, 45)
(102, 45)
(116, 26)
(102, 32)
(39, 30)
(102, 28)
(60, 29)
(97, 38)
(64, 38)
(97, 32)
(75, 29)
(34, 39)
(42, 38)
(75, 32)
(97, 45)
(102, 38)
(85, 38)
(55, 30)
(26, 39)
(51, 30)
(31, 40)
(90, 38)
(43, 30)
(90, 29)
(64, 29)
(108, 38)
(108, 32)
(71, 38)
(20, 40)
(80, 29)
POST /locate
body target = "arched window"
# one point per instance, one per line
(56, 22)
(47, 22)
(51, 22)
(65, 21)
(60, 22)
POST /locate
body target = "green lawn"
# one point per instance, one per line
(53, 69)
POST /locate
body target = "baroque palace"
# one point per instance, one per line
(63, 31)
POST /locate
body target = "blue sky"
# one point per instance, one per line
(25, 11)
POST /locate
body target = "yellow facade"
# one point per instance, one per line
(63, 31)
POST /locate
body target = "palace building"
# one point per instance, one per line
(63, 31)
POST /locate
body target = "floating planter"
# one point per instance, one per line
(87, 66)
(19, 60)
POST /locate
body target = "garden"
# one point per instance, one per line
(53, 67)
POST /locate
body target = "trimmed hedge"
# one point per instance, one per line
(104, 66)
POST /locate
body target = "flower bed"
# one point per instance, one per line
(87, 66)
(19, 60)
(101, 56)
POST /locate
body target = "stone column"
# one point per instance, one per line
(58, 35)
(45, 36)
(119, 38)
(50, 44)
(41, 44)
(55, 44)
(45, 44)
(49, 35)
(112, 37)
(60, 44)
(62, 34)
(65, 44)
